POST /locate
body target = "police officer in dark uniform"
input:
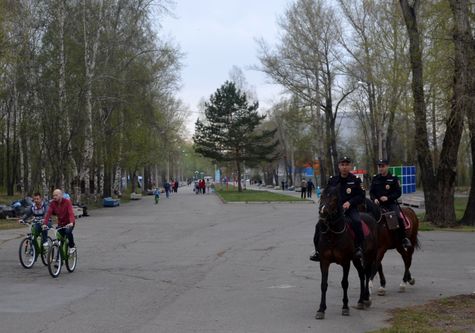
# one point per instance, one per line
(351, 195)
(384, 191)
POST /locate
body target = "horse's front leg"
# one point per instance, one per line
(344, 284)
(407, 278)
(324, 266)
(382, 280)
(361, 275)
(369, 272)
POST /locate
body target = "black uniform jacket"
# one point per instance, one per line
(385, 186)
(350, 189)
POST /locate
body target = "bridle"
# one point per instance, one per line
(324, 220)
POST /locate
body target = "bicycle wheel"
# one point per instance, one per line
(44, 252)
(27, 252)
(54, 260)
(72, 260)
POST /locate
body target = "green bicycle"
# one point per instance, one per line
(31, 246)
(59, 253)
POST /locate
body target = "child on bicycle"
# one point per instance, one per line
(157, 195)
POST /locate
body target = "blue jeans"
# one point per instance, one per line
(44, 233)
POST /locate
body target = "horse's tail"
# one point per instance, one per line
(409, 213)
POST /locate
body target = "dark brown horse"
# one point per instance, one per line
(336, 245)
(389, 239)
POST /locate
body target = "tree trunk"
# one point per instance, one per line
(89, 66)
(421, 139)
(465, 49)
(238, 168)
(469, 215)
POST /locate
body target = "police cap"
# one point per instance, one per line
(382, 162)
(345, 159)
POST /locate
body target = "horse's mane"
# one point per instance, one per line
(371, 208)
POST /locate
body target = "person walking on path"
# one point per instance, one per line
(303, 189)
(167, 188)
(310, 187)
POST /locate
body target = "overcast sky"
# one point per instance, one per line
(216, 35)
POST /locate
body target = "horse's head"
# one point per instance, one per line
(329, 203)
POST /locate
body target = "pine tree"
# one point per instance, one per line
(230, 130)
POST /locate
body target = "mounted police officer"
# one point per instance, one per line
(384, 191)
(350, 196)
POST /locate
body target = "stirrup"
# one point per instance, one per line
(359, 252)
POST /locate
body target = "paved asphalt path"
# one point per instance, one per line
(194, 264)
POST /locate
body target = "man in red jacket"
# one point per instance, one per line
(63, 209)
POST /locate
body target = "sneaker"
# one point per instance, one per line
(45, 245)
(315, 256)
(72, 250)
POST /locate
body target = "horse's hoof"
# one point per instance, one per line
(412, 281)
(320, 315)
(381, 291)
(367, 303)
(345, 312)
(360, 306)
(402, 287)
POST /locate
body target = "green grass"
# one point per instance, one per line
(460, 204)
(454, 314)
(232, 195)
(6, 200)
(10, 224)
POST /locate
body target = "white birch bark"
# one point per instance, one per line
(90, 54)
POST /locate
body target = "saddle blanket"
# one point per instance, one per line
(407, 221)
(365, 227)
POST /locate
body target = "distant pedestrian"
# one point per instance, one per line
(319, 192)
(175, 186)
(202, 186)
(167, 187)
(310, 187)
(303, 189)
(156, 193)
(208, 185)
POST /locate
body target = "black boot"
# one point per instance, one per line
(406, 243)
(315, 256)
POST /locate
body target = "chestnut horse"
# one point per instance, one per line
(389, 239)
(336, 245)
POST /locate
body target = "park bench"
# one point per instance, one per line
(135, 196)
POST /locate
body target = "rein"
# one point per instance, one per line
(327, 225)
